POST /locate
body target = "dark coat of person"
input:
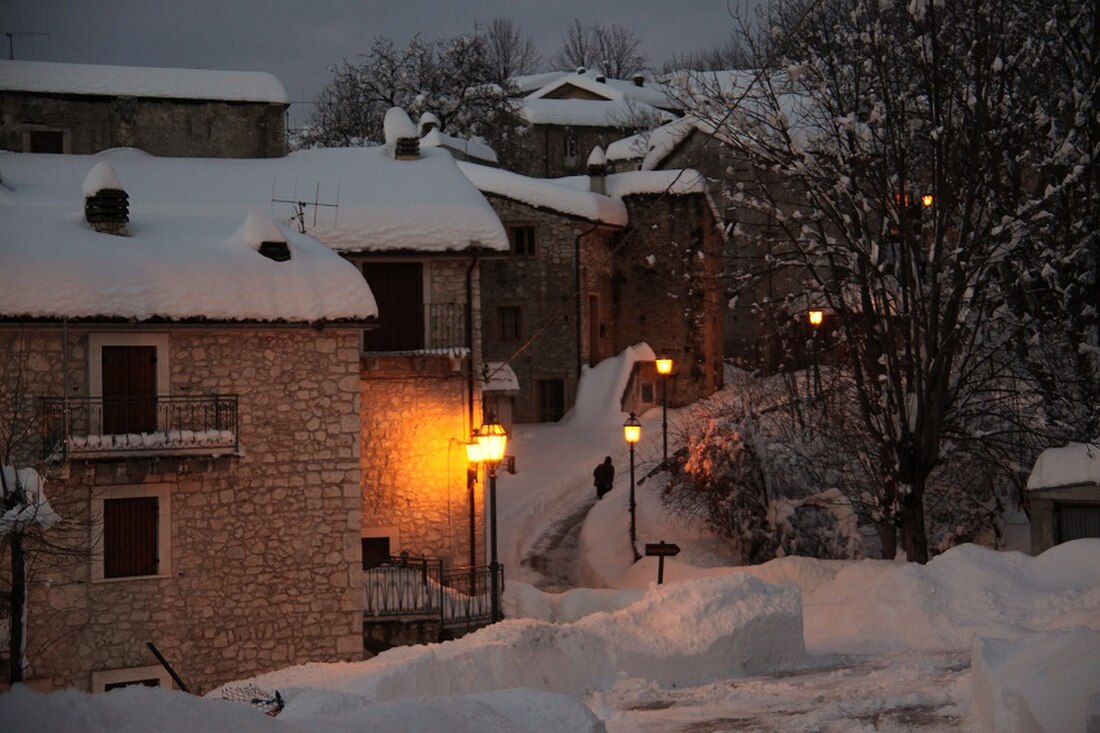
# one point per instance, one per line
(604, 477)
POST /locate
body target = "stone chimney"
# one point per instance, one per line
(601, 79)
(639, 80)
(597, 171)
(261, 233)
(402, 136)
(106, 203)
(581, 70)
(428, 122)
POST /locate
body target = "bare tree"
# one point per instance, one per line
(612, 49)
(730, 55)
(511, 52)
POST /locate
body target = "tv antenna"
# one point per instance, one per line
(11, 39)
(300, 205)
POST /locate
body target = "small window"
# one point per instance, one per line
(150, 682)
(647, 392)
(376, 551)
(130, 528)
(508, 322)
(46, 141)
(153, 675)
(568, 144)
(522, 239)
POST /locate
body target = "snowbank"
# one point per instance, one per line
(1075, 463)
(600, 391)
(1042, 683)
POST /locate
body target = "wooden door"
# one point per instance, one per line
(129, 389)
(398, 290)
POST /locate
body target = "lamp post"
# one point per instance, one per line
(664, 368)
(490, 441)
(632, 432)
(816, 318)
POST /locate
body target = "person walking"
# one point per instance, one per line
(604, 476)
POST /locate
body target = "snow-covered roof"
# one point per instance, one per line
(574, 200)
(677, 182)
(46, 77)
(590, 112)
(470, 148)
(1070, 465)
(186, 256)
(608, 89)
(502, 378)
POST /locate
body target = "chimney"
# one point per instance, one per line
(428, 122)
(261, 233)
(401, 135)
(601, 78)
(639, 80)
(106, 203)
(581, 70)
(597, 171)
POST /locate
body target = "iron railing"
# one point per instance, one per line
(163, 425)
(446, 327)
(445, 333)
(405, 585)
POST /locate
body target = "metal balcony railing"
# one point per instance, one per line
(446, 327)
(404, 585)
(434, 328)
(138, 426)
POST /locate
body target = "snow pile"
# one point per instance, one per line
(397, 125)
(435, 138)
(101, 177)
(522, 600)
(873, 606)
(141, 81)
(1076, 463)
(257, 229)
(600, 392)
(32, 507)
(679, 634)
(1040, 683)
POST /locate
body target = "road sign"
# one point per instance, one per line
(661, 550)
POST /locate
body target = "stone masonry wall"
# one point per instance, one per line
(174, 128)
(264, 548)
(544, 287)
(669, 293)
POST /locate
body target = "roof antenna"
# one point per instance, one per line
(11, 38)
(300, 206)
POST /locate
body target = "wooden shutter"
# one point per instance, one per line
(130, 537)
(1076, 521)
(129, 389)
(398, 290)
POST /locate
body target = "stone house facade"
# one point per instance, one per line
(83, 109)
(255, 562)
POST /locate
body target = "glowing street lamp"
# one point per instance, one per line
(664, 368)
(816, 318)
(927, 200)
(487, 446)
(632, 432)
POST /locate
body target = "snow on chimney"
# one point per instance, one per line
(597, 171)
(581, 70)
(106, 203)
(263, 235)
(639, 80)
(429, 122)
(601, 78)
(401, 135)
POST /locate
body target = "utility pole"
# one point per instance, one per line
(11, 40)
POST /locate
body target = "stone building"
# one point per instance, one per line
(597, 264)
(83, 109)
(1063, 495)
(191, 396)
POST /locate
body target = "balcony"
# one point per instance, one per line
(88, 428)
(407, 334)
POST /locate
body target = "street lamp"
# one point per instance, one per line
(816, 318)
(632, 432)
(487, 446)
(664, 368)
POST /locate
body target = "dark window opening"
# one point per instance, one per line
(522, 239)
(1075, 522)
(130, 535)
(152, 682)
(376, 551)
(647, 392)
(398, 291)
(47, 141)
(508, 322)
(129, 389)
(551, 399)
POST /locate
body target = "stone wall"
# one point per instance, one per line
(263, 558)
(545, 288)
(544, 156)
(668, 290)
(175, 128)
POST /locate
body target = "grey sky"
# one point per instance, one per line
(298, 40)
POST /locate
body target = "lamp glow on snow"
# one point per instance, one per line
(817, 317)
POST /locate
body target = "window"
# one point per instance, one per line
(509, 322)
(399, 292)
(151, 676)
(569, 144)
(133, 525)
(647, 392)
(376, 551)
(44, 141)
(522, 239)
(551, 399)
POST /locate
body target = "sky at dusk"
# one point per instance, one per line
(297, 41)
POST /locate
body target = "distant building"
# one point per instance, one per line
(83, 109)
(1063, 494)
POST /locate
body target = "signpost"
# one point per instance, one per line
(661, 550)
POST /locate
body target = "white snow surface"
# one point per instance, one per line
(31, 508)
(676, 182)
(397, 125)
(182, 258)
(1069, 465)
(974, 640)
(471, 148)
(547, 193)
(610, 89)
(102, 176)
(591, 112)
(141, 81)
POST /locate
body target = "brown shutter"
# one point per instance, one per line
(130, 537)
(398, 290)
(129, 389)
